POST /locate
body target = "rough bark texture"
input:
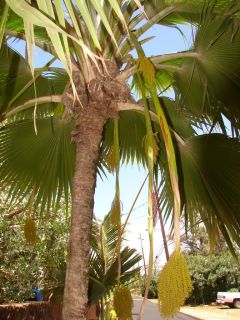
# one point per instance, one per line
(97, 103)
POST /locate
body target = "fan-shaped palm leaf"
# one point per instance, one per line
(17, 83)
(209, 183)
(33, 160)
(210, 83)
(210, 166)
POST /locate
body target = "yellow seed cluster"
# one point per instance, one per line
(123, 303)
(30, 231)
(111, 159)
(115, 212)
(174, 285)
(146, 66)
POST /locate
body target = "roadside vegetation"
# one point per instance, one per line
(210, 272)
(25, 266)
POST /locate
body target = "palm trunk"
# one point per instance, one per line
(88, 137)
(97, 104)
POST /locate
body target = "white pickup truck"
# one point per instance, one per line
(231, 299)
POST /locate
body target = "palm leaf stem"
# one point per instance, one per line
(102, 249)
(155, 190)
(117, 157)
(167, 67)
(171, 163)
(32, 102)
(129, 213)
(124, 106)
(159, 59)
(177, 55)
(3, 22)
(133, 204)
(40, 44)
(32, 81)
(150, 161)
(158, 17)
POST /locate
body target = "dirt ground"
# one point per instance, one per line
(212, 312)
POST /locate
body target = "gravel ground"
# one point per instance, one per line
(212, 312)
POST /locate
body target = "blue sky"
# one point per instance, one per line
(166, 40)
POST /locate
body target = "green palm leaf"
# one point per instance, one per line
(104, 261)
(209, 181)
(15, 75)
(210, 83)
(183, 9)
(131, 143)
(33, 160)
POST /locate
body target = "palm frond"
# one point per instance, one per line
(103, 273)
(101, 285)
(183, 9)
(210, 180)
(29, 160)
(210, 83)
(131, 146)
(17, 85)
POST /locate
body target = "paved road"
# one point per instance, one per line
(212, 312)
(151, 311)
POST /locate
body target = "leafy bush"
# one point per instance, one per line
(152, 293)
(233, 290)
(24, 266)
(212, 274)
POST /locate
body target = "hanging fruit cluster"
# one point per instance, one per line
(123, 303)
(30, 231)
(174, 284)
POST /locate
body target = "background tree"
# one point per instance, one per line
(25, 266)
(209, 275)
(196, 241)
(93, 41)
(210, 271)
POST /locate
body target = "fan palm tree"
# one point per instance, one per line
(84, 112)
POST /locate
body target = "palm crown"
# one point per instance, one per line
(70, 105)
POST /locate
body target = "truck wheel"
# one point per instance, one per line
(236, 304)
